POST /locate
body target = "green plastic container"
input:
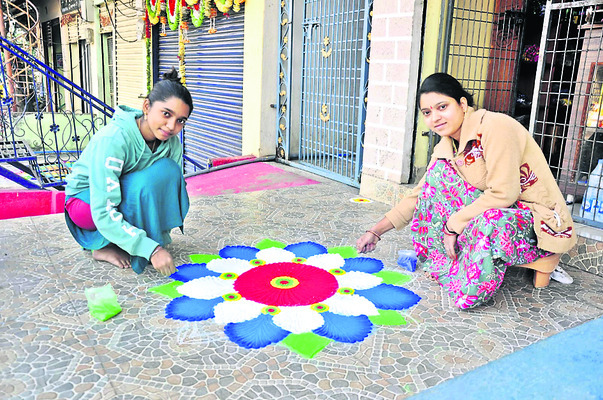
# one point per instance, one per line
(102, 302)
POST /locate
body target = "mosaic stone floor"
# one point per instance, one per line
(50, 348)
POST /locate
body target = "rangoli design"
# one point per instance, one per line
(302, 295)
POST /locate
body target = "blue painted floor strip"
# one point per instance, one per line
(568, 365)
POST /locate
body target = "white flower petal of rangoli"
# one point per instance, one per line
(206, 288)
(351, 305)
(326, 261)
(237, 311)
(358, 280)
(298, 319)
(274, 255)
(235, 265)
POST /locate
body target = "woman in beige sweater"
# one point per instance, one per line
(487, 201)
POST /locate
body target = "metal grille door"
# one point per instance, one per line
(567, 116)
(214, 76)
(485, 38)
(334, 79)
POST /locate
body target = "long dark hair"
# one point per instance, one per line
(170, 86)
(444, 84)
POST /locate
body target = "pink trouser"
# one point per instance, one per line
(80, 214)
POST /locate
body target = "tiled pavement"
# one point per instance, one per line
(51, 348)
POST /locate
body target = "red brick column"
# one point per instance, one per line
(393, 76)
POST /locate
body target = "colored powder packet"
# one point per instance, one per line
(102, 302)
(407, 259)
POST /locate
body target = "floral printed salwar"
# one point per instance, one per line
(491, 242)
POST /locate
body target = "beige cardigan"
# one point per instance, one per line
(507, 165)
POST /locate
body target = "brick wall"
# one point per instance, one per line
(393, 74)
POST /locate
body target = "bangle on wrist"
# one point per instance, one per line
(155, 251)
(448, 232)
(375, 234)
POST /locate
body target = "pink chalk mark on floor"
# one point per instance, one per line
(244, 178)
(28, 203)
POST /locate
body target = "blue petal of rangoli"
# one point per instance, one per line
(390, 297)
(242, 252)
(188, 309)
(363, 264)
(343, 328)
(256, 333)
(188, 272)
(306, 249)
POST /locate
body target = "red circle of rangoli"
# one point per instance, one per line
(315, 284)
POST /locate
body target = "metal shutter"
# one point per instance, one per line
(130, 59)
(214, 76)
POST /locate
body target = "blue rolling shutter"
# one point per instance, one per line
(214, 76)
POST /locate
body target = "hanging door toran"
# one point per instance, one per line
(334, 72)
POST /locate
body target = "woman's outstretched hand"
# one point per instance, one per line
(366, 243)
(450, 246)
(163, 262)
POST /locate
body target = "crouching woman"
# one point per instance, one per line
(126, 192)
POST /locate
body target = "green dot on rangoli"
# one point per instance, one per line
(231, 297)
(271, 310)
(228, 275)
(319, 307)
(284, 282)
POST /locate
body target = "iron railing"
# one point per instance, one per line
(41, 136)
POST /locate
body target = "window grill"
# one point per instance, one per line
(485, 40)
(567, 119)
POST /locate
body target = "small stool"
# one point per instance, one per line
(542, 269)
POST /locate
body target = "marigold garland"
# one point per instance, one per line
(163, 21)
(223, 5)
(147, 38)
(213, 13)
(154, 9)
(237, 5)
(182, 39)
(173, 13)
(198, 13)
(148, 53)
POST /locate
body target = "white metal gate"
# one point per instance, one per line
(334, 71)
(567, 119)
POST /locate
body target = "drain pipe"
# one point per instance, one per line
(230, 165)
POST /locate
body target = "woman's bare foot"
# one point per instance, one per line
(114, 255)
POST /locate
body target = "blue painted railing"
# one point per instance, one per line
(44, 131)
